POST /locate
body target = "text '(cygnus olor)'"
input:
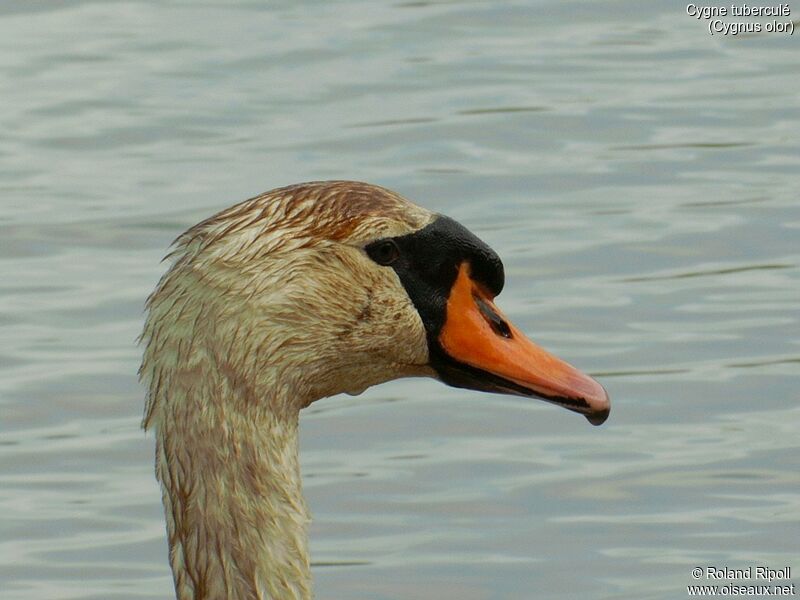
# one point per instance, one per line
(301, 293)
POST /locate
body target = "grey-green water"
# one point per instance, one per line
(638, 176)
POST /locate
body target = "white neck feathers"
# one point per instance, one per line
(236, 519)
(267, 307)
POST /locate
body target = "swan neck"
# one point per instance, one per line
(232, 494)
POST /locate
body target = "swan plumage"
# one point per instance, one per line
(295, 295)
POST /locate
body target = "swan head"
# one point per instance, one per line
(329, 287)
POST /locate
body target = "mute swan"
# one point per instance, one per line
(301, 293)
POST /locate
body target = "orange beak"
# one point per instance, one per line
(476, 333)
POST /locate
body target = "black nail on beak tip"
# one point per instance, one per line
(598, 418)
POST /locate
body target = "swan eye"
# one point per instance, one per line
(384, 252)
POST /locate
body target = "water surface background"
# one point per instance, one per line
(639, 177)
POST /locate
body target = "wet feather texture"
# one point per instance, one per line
(267, 306)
